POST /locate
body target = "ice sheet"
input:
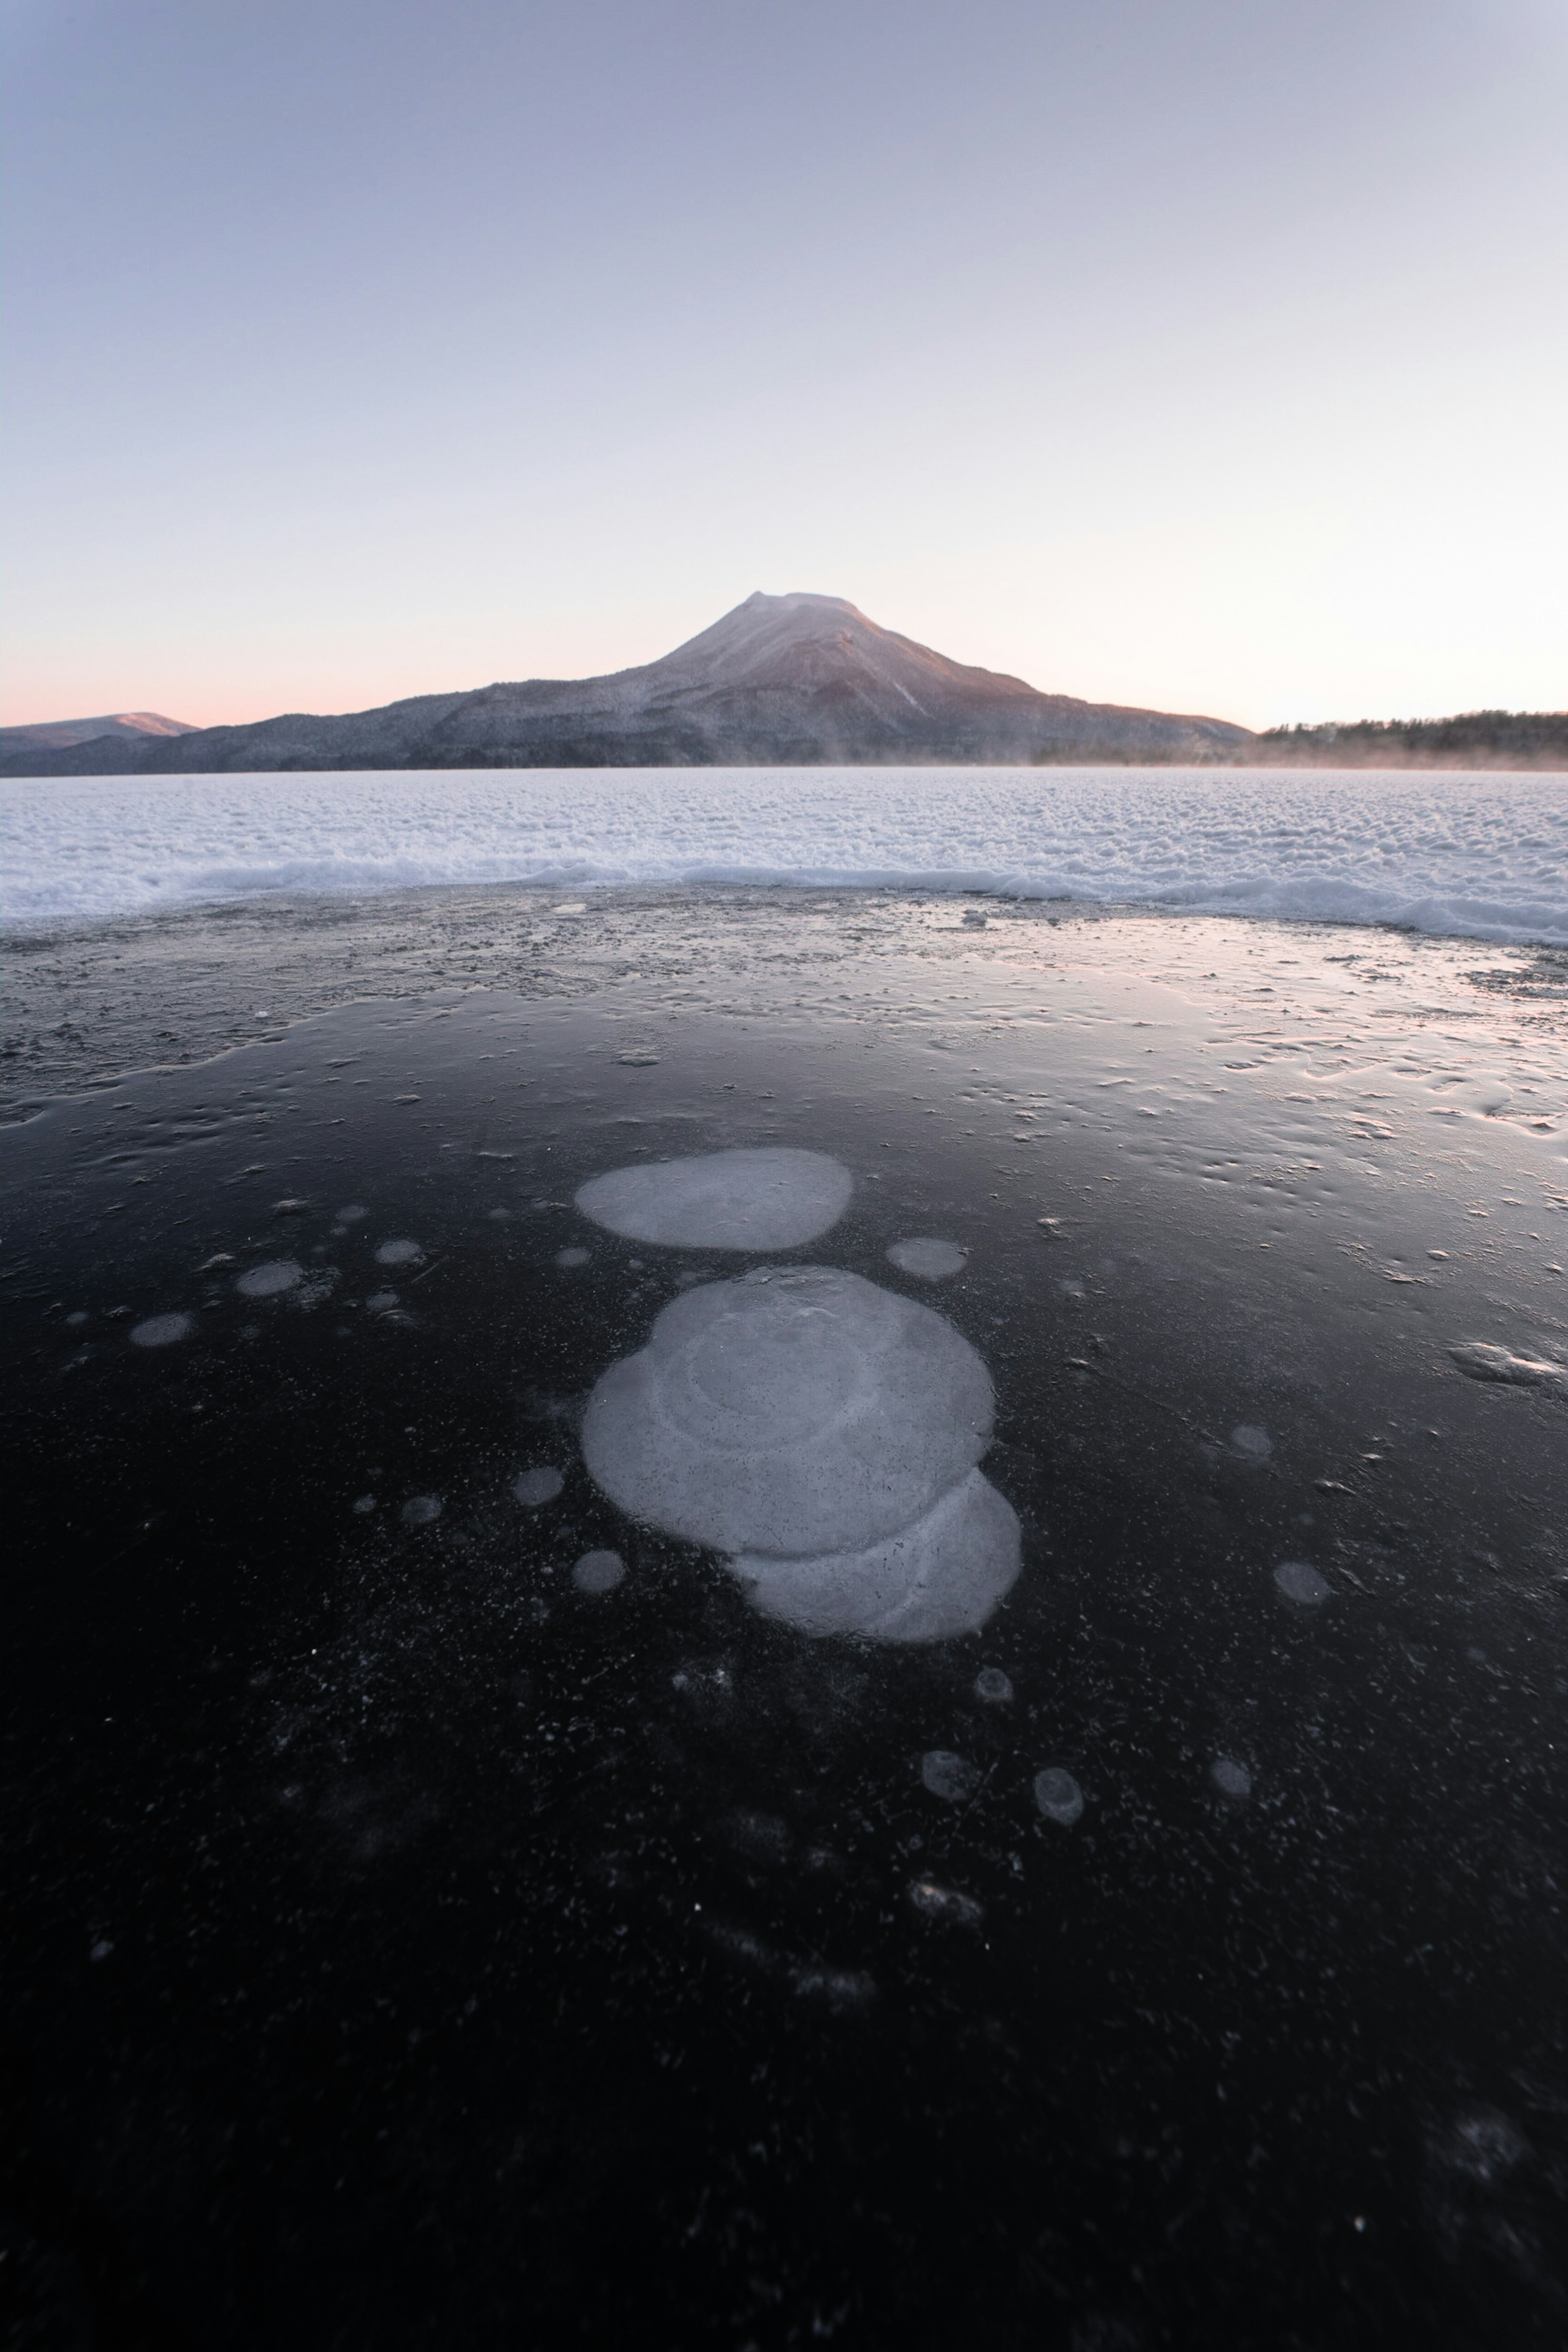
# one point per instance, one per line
(1483, 857)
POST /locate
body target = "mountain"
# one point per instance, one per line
(60, 734)
(795, 680)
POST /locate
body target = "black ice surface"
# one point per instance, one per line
(410, 1942)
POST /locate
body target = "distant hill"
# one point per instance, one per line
(798, 680)
(1480, 738)
(132, 727)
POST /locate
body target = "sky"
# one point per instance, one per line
(1205, 354)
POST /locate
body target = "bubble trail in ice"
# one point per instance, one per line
(267, 1281)
(541, 1485)
(1230, 1778)
(1301, 1582)
(161, 1330)
(952, 1778)
(421, 1509)
(931, 1260)
(598, 1572)
(1058, 1795)
(770, 1198)
(402, 1252)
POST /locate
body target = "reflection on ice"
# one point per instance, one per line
(765, 1199)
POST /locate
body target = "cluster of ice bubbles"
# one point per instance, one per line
(820, 1431)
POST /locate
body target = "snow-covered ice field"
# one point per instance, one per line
(1477, 855)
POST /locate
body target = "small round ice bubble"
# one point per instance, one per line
(1058, 1795)
(351, 1214)
(1250, 1440)
(994, 1686)
(933, 1261)
(398, 1254)
(539, 1486)
(771, 1197)
(598, 1572)
(161, 1330)
(949, 1777)
(1231, 1778)
(568, 1258)
(267, 1281)
(421, 1509)
(1301, 1582)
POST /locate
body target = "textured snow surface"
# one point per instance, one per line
(1484, 857)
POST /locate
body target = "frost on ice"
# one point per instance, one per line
(766, 1199)
(824, 1434)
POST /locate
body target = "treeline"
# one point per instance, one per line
(1477, 738)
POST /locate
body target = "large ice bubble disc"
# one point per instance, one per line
(771, 1197)
(800, 1411)
(931, 1582)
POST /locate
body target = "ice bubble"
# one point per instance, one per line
(539, 1486)
(351, 1214)
(1058, 1795)
(421, 1509)
(80, 1315)
(1301, 1582)
(931, 1581)
(949, 1777)
(992, 1686)
(933, 1261)
(399, 1254)
(278, 1274)
(364, 1504)
(598, 1572)
(566, 1258)
(766, 1199)
(1231, 1778)
(802, 1412)
(163, 1330)
(935, 1902)
(1250, 1440)
(381, 1302)
(1071, 1287)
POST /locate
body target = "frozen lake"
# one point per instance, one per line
(864, 1640)
(1482, 855)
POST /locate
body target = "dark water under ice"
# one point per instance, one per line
(413, 1940)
